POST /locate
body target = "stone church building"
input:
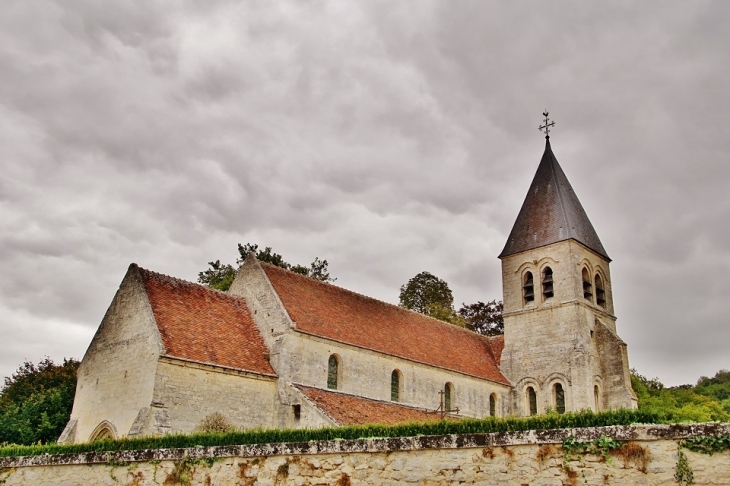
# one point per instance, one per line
(283, 350)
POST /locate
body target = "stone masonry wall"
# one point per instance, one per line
(554, 340)
(303, 359)
(186, 392)
(116, 376)
(534, 458)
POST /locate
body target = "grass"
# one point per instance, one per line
(260, 436)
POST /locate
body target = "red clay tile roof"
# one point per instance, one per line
(497, 347)
(204, 325)
(352, 410)
(335, 313)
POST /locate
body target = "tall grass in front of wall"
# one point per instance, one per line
(260, 436)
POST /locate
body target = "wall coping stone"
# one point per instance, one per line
(369, 445)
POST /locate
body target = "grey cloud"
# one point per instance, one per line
(387, 138)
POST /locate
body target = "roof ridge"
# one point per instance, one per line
(188, 283)
(367, 297)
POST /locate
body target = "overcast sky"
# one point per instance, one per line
(386, 137)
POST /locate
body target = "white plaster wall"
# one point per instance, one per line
(116, 375)
(186, 392)
(303, 359)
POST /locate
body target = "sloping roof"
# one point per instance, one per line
(348, 409)
(497, 347)
(200, 324)
(332, 312)
(551, 213)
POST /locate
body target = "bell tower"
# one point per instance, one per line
(561, 349)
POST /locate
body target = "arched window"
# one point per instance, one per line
(528, 288)
(600, 292)
(492, 405)
(532, 400)
(448, 395)
(395, 386)
(559, 396)
(597, 397)
(587, 286)
(547, 283)
(333, 369)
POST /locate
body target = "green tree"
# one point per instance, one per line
(36, 402)
(677, 404)
(484, 318)
(220, 276)
(429, 295)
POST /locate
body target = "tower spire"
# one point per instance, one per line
(551, 212)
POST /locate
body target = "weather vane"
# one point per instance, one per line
(547, 124)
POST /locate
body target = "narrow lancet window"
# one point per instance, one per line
(532, 400)
(332, 371)
(597, 398)
(528, 288)
(600, 292)
(448, 391)
(587, 286)
(559, 398)
(547, 283)
(395, 386)
(492, 405)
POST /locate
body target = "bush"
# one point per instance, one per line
(214, 422)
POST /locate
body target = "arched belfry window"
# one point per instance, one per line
(531, 400)
(600, 292)
(528, 288)
(333, 370)
(587, 285)
(547, 283)
(559, 397)
(492, 405)
(448, 396)
(395, 386)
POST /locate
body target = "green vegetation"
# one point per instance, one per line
(36, 402)
(429, 295)
(708, 401)
(220, 276)
(258, 436)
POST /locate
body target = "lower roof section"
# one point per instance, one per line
(345, 409)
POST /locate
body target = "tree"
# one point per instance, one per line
(677, 404)
(36, 402)
(483, 318)
(220, 276)
(429, 295)
(426, 290)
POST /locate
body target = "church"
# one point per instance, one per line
(282, 350)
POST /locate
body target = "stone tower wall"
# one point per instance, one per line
(554, 340)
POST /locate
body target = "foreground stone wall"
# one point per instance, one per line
(649, 456)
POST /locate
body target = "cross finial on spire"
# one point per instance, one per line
(547, 124)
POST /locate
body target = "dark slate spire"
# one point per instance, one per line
(551, 213)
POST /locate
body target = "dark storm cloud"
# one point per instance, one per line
(389, 138)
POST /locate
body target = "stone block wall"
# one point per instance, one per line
(534, 458)
(554, 340)
(186, 392)
(116, 376)
(303, 359)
